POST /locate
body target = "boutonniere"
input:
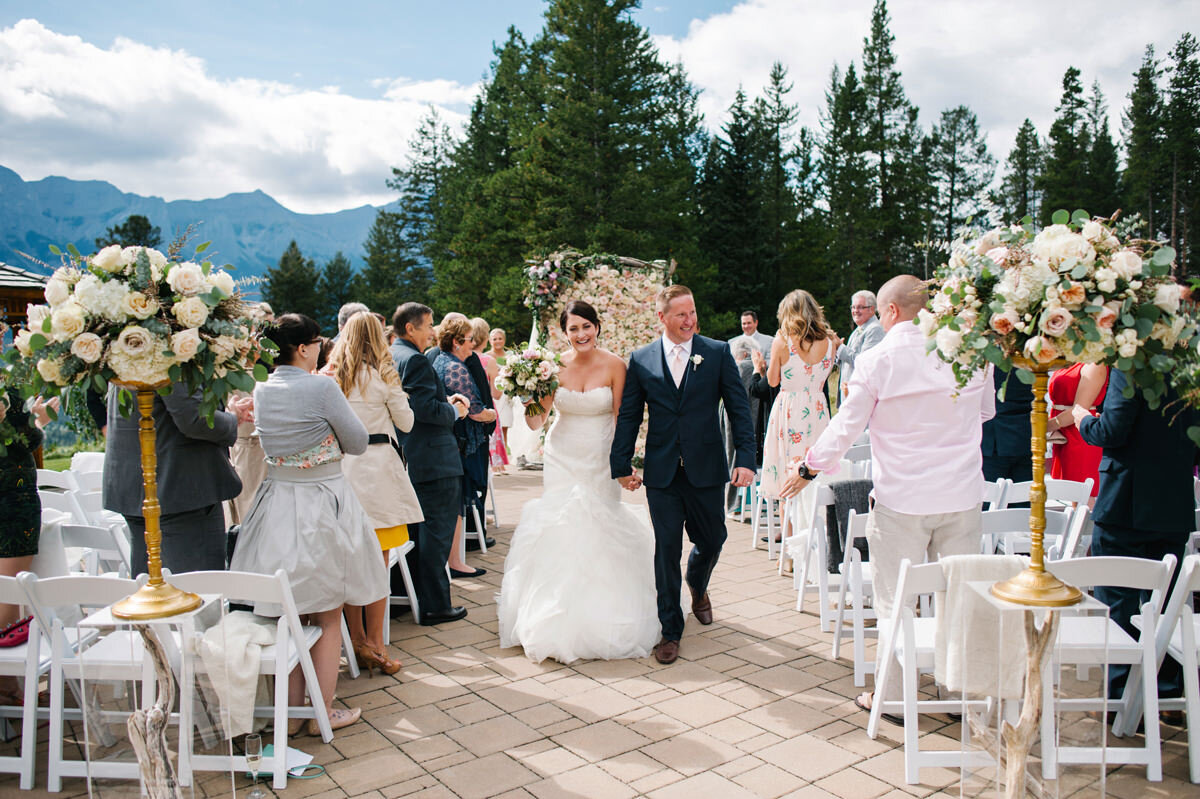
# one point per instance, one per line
(696, 361)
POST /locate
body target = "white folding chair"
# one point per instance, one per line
(1178, 637)
(1078, 538)
(909, 644)
(993, 494)
(89, 481)
(102, 553)
(87, 462)
(396, 557)
(858, 581)
(62, 481)
(1007, 531)
(767, 509)
(1096, 641)
(492, 499)
(29, 660)
(808, 548)
(58, 604)
(64, 501)
(860, 454)
(292, 646)
(1068, 492)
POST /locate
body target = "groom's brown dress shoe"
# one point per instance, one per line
(702, 608)
(666, 652)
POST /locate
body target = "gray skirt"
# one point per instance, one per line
(309, 523)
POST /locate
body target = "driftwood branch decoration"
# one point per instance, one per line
(148, 726)
(1019, 739)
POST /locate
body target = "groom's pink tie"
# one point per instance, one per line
(677, 364)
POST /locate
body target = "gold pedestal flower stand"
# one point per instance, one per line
(157, 599)
(1035, 586)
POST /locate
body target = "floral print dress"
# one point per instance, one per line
(798, 416)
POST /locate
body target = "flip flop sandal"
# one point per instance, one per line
(888, 717)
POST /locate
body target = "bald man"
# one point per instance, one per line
(926, 461)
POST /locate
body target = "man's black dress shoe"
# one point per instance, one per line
(473, 543)
(473, 573)
(443, 616)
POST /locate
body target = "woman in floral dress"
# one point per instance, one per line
(802, 356)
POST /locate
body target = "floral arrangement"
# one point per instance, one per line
(1073, 292)
(136, 317)
(532, 374)
(545, 281)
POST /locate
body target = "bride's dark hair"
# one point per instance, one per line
(581, 309)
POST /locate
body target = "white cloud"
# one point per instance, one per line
(154, 121)
(1003, 58)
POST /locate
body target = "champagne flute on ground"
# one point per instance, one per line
(253, 747)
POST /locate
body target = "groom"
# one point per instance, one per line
(683, 377)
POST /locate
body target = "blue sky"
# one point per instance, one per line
(315, 102)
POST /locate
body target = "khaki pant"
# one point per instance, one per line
(893, 537)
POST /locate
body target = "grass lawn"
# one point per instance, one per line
(58, 464)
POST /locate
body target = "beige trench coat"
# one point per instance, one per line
(378, 476)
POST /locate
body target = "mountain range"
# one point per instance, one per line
(248, 230)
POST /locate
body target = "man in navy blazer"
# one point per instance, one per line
(1145, 507)
(431, 452)
(682, 378)
(1006, 435)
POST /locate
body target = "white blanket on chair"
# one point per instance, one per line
(973, 655)
(231, 651)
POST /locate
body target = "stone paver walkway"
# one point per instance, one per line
(753, 708)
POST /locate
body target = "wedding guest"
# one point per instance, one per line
(867, 333)
(345, 312)
(456, 343)
(195, 477)
(1005, 442)
(741, 348)
(1146, 505)
(764, 393)
(1081, 385)
(364, 370)
(21, 524)
(479, 471)
(750, 331)
(432, 455)
(926, 461)
(306, 518)
(504, 407)
(497, 453)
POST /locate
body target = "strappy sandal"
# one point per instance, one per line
(338, 718)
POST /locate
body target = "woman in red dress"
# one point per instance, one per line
(1081, 384)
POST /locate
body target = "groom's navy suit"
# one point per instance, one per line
(685, 471)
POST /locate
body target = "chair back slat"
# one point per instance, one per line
(1119, 572)
(243, 587)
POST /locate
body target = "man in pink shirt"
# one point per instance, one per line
(925, 436)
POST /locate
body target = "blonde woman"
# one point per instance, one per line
(362, 367)
(802, 356)
(497, 452)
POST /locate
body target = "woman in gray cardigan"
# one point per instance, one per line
(305, 518)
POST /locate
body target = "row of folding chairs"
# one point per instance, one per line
(1168, 628)
(72, 656)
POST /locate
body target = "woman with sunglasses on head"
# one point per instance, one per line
(305, 518)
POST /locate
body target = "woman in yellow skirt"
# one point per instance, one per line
(363, 368)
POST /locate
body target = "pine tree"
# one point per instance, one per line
(1019, 194)
(1065, 171)
(291, 287)
(392, 274)
(421, 184)
(1183, 151)
(338, 285)
(775, 117)
(961, 167)
(1142, 123)
(135, 231)
(1102, 191)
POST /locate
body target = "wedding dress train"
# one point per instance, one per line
(579, 576)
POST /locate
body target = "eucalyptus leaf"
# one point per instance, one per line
(1080, 216)
(54, 249)
(1060, 217)
(71, 248)
(1024, 375)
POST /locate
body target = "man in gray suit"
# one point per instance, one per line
(194, 478)
(867, 333)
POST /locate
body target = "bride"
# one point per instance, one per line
(579, 576)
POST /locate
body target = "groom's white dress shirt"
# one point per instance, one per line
(677, 357)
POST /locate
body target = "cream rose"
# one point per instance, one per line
(1059, 243)
(1106, 280)
(1094, 232)
(1072, 295)
(949, 341)
(1126, 263)
(51, 370)
(1055, 321)
(36, 314)
(110, 259)
(139, 306)
(1041, 349)
(21, 342)
(87, 347)
(185, 344)
(1004, 323)
(57, 292)
(135, 341)
(1167, 297)
(1106, 317)
(190, 311)
(222, 281)
(926, 321)
(942, 304)
(186, 278)
(67, 321)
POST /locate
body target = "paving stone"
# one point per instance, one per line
(486, 776)
(707, 784)
(494, 735)
(692, 752)
(590, 781)
(601, 741)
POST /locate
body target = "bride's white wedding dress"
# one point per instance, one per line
(579, 576)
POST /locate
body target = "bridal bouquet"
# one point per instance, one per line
(1073, 292)
(134, 316)
(531, 374)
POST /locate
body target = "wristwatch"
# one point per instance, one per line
(806, 473)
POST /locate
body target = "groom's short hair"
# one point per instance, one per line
(663, 300)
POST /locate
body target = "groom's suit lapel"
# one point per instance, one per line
(689, 374)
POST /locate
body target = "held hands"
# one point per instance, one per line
(38, 409)
(630, 482)
(243, 408)
(461, 404)
(1079, 413)
(742, 477)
